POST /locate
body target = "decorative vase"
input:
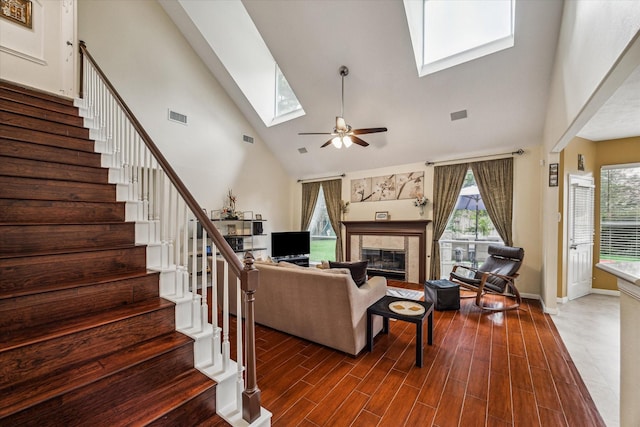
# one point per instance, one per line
(421, 210)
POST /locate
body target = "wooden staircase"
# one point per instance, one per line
(85, 338)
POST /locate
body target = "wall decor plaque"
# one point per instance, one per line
(18, 11)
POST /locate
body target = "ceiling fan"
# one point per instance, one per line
(342, 133)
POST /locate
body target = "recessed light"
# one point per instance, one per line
(302, 150)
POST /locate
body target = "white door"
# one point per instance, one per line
(580, 236)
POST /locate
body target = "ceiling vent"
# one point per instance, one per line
(302, 150)
(458, 115)
(177, 117)
(247, 138)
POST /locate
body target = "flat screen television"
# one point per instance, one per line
(290, 243)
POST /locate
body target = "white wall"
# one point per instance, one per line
(594, 36)
(526, 209)
(155, 69)
(40, 57)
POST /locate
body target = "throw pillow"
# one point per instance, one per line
(358, 270)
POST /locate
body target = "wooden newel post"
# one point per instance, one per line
(250, 280)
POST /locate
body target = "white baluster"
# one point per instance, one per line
(169, 222)
(226, 347)
(205, 261)
(215, 343)
(195, 309)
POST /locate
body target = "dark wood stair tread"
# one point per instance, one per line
(50, 189)
(30, 336)
(48, 153)
(28, 239)
(45, 169)
(40, 112)
(44, 388)
(57, 211)
(45, 138)
(125, 403)
(80, 283)
(35, 93)
(27, 122)
(69, 251)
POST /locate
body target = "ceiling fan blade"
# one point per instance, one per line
(326, 143)
(369, 130)
(358, 141)
(315, 133)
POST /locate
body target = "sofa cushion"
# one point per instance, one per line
(290, 265)
(358, 270)
(336, 270)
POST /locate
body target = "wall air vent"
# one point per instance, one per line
(177, 117)
(457, 115)
(302, 150)
(247, 138)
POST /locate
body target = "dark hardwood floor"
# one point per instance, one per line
(483, 369)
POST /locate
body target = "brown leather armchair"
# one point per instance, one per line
(497, 276)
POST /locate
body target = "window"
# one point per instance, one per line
(323, 237)
(449, 33)
(620, 213)
(469, 231)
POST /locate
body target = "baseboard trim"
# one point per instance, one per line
(609, 292)
(564, 300)
(530, 296)
(546, 309)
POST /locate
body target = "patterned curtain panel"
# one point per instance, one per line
(310, 191)
(495, 182)
(333, 196)
(447, 183)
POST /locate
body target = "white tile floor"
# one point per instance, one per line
(590, 329)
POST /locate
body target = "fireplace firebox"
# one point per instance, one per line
(389, 263)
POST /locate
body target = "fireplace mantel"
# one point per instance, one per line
(414, 228)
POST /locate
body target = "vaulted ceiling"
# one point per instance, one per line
(505, 94)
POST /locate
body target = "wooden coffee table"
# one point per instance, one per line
(402, 309)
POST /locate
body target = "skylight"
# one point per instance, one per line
(230, 32)
(285, 100)
(447, 33)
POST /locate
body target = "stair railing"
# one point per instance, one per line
(169, 217)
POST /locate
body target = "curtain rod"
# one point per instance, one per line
(518, 152)
(342, 175)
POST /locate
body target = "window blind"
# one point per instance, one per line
(582, 222)
(620, 213)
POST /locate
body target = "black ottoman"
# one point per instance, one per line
(444, 294)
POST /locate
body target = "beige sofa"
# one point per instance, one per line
(323, 306)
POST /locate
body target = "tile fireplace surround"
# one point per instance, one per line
(410, 236)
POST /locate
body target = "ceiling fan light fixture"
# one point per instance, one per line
(341, 125)
(344, 134)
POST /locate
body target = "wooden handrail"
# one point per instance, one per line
(248, 274)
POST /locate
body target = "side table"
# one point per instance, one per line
(382, 308)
